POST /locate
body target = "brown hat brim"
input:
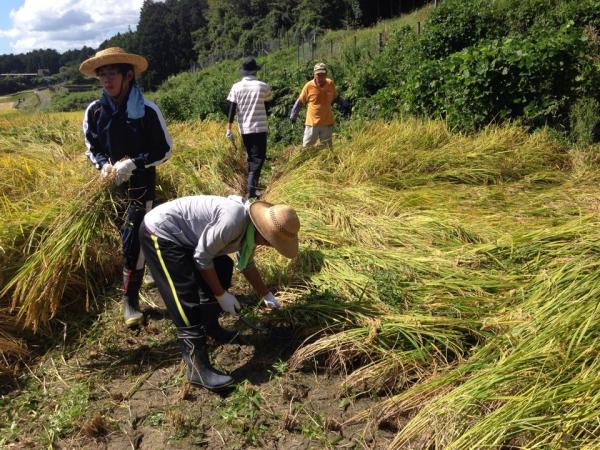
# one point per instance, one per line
(287, 245)
(90, 65)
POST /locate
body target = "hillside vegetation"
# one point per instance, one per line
(453, 278)
(475, 62)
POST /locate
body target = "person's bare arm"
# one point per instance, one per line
(212, 279)
(254, 278)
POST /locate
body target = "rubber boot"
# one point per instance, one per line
(210, 319)
(192, 341)
(132, 282)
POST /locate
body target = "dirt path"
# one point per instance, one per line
(43, 99)
(6, 106)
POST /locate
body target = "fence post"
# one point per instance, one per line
(380, 41)
(355, 44)
(313, 46)
(419, 27)
(331, 48)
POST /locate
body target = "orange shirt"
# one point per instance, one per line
(319, 102)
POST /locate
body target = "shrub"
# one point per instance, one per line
(536, 79)
(585, 120)
(458, 24)
(72, 101)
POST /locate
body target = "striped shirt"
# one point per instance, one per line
(250, 96)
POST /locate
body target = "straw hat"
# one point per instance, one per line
(113, 55)
(278, 224)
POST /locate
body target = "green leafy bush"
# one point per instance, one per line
(73, 101)
(458, 24)
(585, 120)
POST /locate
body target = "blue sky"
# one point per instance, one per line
(27, 25)
(5, 22)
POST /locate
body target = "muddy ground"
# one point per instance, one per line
(114, 388)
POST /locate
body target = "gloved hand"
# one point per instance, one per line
(229, 135)
(228, 303)
(106, 170)
(271, 301)
(295, 111)
(124, 169)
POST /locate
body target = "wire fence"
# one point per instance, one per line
(308, 46)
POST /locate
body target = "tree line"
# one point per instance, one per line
(176, 34)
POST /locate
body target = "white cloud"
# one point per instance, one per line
(68, 24)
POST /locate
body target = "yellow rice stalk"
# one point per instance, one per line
(75, 257)
(204, 162)
(11, 347)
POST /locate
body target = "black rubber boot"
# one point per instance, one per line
(210, 319)
(192, 341)
(132, 282)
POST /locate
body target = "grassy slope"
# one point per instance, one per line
(455, 276)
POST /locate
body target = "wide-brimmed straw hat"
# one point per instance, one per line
(278, 224)
(113, 55)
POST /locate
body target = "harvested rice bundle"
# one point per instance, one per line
(73, 259)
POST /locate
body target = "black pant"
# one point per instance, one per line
(133, 198)
(256, 150)
(179, 282)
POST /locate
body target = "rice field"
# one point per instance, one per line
(453, 279)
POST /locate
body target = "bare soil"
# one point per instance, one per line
(138, 396)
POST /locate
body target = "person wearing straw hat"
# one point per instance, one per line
(126, 138)
(319, 94)
(247, 97)
(186, 243)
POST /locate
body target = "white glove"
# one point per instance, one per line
(271, 301)
(106, 170)
(229, 135)
(124, 169)
(228, 303)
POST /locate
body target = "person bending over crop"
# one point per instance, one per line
(126, 138)
(186, 242)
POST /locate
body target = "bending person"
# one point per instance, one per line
(186, 242)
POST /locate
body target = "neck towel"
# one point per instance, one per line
(135, 102)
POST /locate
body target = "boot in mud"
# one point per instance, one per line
(132, 282)
(192, 341)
